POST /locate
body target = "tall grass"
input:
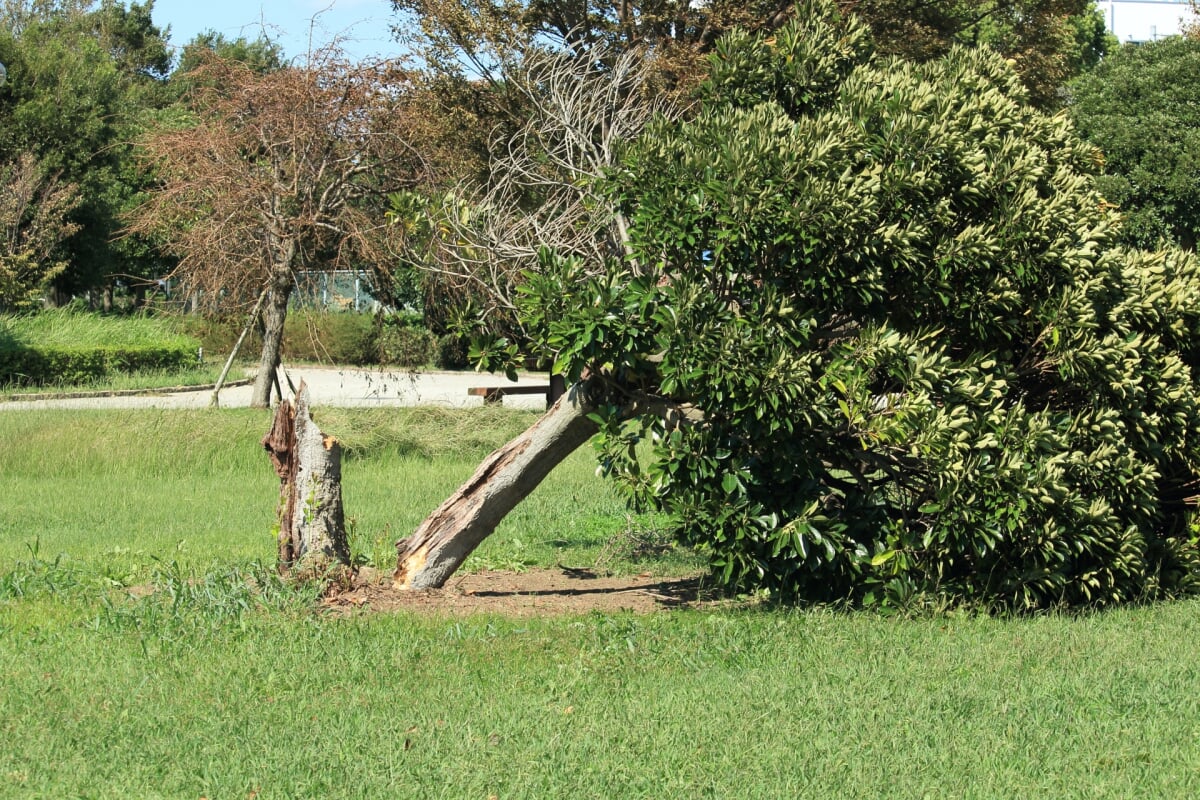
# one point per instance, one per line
(67, 328)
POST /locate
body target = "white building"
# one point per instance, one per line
(1145, 20)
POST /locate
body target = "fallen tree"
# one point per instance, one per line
(505, 478)
(921, 364)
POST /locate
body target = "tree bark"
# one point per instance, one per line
(273, 316)
(451, 533)
(312, 531)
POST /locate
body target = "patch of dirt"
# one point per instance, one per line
(535, 592)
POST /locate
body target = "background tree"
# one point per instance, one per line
(476, 241)
(273, 173)
(481, 34)
(874, 342)
(1050, 41)
(1141, 107)
(34, 209)
(472, 49)
(83, 78)
(260, 55)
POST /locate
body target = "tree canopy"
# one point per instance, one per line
(1141, 107)
(1049, 41)
(876, 340)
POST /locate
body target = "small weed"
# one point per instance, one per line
(36, 577)
(639, 541)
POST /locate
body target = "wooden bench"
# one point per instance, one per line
(495, 394)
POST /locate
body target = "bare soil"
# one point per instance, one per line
(535, 592)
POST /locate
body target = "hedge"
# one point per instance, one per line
(60, 347)
(53, 364)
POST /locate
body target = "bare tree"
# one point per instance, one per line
(270, 174)
(541, 192)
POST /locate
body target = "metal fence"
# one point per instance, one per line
(339, 290)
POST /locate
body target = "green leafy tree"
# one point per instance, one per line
(1141, 107)
(83, 79)
(873, 342)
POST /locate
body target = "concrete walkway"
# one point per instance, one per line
(351, 386)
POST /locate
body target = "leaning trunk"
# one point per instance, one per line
(450, 534)
(312, 531)
(273, 316)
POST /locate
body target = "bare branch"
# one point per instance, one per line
(584, 106)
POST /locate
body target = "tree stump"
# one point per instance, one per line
(312, 531)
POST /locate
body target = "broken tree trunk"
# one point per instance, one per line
(447, 536)
(312, 531)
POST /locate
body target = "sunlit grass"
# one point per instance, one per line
(227, 682)
(66, 328)
(130, 486)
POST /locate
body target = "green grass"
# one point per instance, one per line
(200, 375)
(64, 328)
(124, 487)
(226, 682)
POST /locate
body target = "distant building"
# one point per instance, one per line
(1145, 20)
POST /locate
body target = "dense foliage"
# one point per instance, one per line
(900, 351)
(1049, 41)
(83, 78)
(1141, 107)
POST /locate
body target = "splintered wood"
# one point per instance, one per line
(312, 532)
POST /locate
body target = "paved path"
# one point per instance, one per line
(349, 386)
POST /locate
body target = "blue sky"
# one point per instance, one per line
(364, 24)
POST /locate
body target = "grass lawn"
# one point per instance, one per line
(199, 375)
(208, 688)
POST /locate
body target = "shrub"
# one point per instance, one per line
(329, 337)
(317, 336)
(452, 352)
(405, 347)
